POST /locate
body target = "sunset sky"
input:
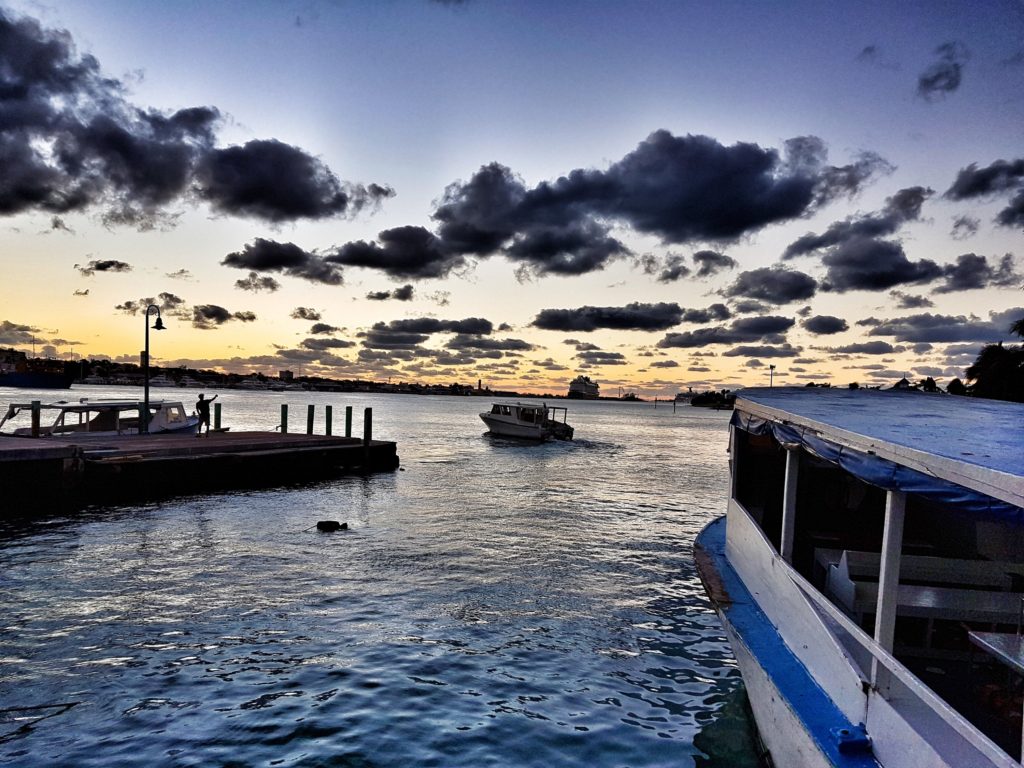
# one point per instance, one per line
(659, 195)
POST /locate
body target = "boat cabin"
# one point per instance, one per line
(95, 417)
(883, 533)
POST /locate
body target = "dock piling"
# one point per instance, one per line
(348, 421)
(37, 413)
(284, 418)
(216, 416)
(327, 424)
(309, 418)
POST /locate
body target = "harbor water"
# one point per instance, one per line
(493, 603)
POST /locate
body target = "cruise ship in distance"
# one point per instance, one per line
(583, 388)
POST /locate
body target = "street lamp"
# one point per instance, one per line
(157, 326)
(771, 375)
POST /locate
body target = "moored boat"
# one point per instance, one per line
(97, 418)
(528, 421)
(868, 574)
(582, 388)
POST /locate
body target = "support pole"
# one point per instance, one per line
(348, 421)
(216, 416)
(327, 425)
(367, 427)
(284, 418)
(37, 413)
(889, 578)
(309, 418)
(789, 504)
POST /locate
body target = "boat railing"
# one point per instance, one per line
(889, 679)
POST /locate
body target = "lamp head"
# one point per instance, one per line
(159, 324)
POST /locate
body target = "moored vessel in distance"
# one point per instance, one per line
(869, 574)
(528, 421)
(582, 388)
(18, 370)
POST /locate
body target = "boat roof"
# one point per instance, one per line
(95, 405)
(973, 442)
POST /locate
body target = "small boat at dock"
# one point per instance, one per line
(528, 421)
(97, 418)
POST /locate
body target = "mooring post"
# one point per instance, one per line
(216, 416)
(309, 418)
(367, 426)
(327, 411)
(673, 406)
(348, 421)
(37, 412)
(284, 418)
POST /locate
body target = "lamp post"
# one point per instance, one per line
(157, 326)
(771, 375)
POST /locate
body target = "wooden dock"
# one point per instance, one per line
(45, 472)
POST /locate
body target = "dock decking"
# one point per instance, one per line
(44, 472)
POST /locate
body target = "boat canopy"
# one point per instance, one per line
(863, 462)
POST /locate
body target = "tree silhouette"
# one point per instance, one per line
(998, 373)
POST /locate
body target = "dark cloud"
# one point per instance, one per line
(678, 188)
(405, 252)
(750, 306)
(476, 343)
(773, 285)
(673, 268)
(1013, 214)
(273, 181)
(710, 314)
(287, 258)
(1000, 176)
(255, 283)
(866, 264)
(57, 224)
(902, 207)
(181, 274)
(405, 293)
(664, 364)
(865, 348)
(635, 317)
(410, 333)
(972, 271)
(909, 301)
(305, 313)
(596, 358)
(168, 303)
(824, 325)
(964, 227)
(784, 350)
(81, 293)
(14, 333)
(103, 265)
(71, 141)
(710, 263)
(323, 328)
(210, 316)
(945, 75)
(320, 345)
(767, 328)
(927, 327)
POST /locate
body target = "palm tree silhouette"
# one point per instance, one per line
(998, 372)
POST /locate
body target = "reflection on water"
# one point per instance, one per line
(493, 603)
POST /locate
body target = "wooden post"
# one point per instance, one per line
(789, 504)
(889, 579)
(37, 414)
(367, 427)
(284, 418)
(327, 426)
(309, 418)
(348, 421)
(143, 427)
(216, 416)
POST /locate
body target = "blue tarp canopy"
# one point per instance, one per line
(881, 472)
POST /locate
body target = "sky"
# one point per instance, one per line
(658, 195)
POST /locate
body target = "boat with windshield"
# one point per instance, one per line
(528, 421)
(95, 418)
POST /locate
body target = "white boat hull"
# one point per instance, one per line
(504, 428)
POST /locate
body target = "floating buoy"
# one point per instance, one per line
(331, 525)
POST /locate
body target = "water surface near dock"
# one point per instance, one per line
(493, 603)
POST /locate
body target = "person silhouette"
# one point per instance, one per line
(203, 409)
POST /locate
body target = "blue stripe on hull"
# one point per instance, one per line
(817, 713)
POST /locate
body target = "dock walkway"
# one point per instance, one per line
(85, 470)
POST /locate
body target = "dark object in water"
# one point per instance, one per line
(331, 525)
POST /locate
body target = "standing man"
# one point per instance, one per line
(203, 409)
